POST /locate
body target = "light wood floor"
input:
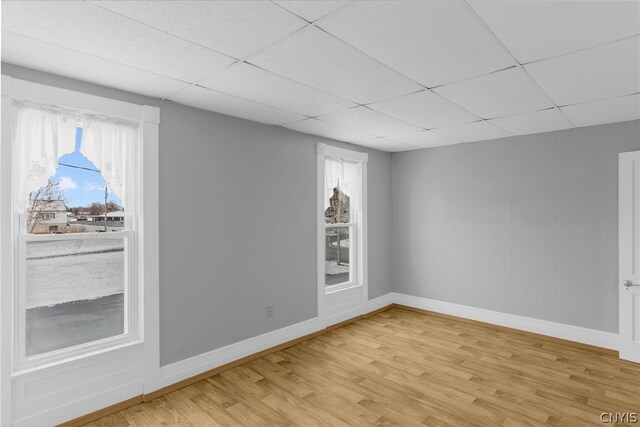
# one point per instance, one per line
(406, 368)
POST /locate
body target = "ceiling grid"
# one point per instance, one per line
(391, 75)
(519, 65)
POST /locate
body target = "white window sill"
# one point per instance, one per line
(341, 287)
(30, 369)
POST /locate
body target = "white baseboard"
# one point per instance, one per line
(196, 365)
(178, 371)
(379, 302)
(543, 327)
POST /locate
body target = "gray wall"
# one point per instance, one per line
(523, 225)
(255, 187)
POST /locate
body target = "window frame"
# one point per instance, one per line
(358, 242)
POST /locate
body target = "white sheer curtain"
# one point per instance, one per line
(342, 174)
(112, 147)
(42, 135)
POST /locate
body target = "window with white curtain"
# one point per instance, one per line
(341, 213)
(76, 290)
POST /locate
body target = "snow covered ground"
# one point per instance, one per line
(335, 273)
(72, 323)
(66, 247)
(344, 243)
(88, 227)
(72, 270)
(332, 267)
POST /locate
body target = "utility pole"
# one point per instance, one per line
(105, 208)
(338, 221)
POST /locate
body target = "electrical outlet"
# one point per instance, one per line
(269, 311)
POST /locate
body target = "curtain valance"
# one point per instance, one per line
(44, 133)
(112, 148)
(342, 175)
(41, 137)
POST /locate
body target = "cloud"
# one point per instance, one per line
(67, 183)
(90, 186)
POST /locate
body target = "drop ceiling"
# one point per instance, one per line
(390, 75)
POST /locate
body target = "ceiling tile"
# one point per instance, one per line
(601, 72)
(424, 139)
(608, 111)
(328, 130)
(250, 82)
(386, 144)
(211, 100)
(317, 59)
(41, 56)
(312, 10)
(478, 131)
(372, 122)
(425, 109)
(533, 30)
(86, 28)
(432, 42)
(498, 94)
(536, 122)
(236, 28)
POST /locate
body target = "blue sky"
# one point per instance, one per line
(81, 187)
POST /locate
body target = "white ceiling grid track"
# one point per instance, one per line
(390, 75)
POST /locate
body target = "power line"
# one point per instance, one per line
(79, 167)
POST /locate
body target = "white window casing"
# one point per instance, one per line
(346, 169)
(122, 140)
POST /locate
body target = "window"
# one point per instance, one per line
(76, 284)
(341, 218)
(94, 358)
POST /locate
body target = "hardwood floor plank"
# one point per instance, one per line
(406, 368)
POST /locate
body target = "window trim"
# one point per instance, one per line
(147, 248)
(325, 151)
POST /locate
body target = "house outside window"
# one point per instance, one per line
(45, 216)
